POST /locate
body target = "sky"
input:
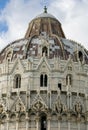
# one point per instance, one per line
(15, 16)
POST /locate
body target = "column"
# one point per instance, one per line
(27, 121)
(86, 101)
(17, 121)
(7, 124)
(78, 125)
(50, 99)
(87, 120)
(58, 125)
(1, 127)
(16, 125)
(48, 122)
(69, 126)
(37, 121)
(7, 121)
(87, 124)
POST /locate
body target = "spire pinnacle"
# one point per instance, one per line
(45, 9)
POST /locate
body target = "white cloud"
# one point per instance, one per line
(72, 14)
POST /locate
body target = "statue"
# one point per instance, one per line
(78, 107)
(58, 106)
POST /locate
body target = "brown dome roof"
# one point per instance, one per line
(44, 22)
(44, 31)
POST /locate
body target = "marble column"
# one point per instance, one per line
(48, 122)
(7, 121)
(58, 125)
(87, 124)
(27, 121)
(78, 125)
(17, 121)
(37, 122)
(69, 126)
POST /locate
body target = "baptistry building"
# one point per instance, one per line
(44, 80)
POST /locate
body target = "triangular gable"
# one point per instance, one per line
(38, 104)
(78, 105)
(18, 105)
(18, 66)
(69, 64)
(59, 105)
(43, 62)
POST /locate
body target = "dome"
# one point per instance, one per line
(44, 30)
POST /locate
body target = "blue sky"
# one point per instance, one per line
(3, 3)
(16, 14)
(3, 26)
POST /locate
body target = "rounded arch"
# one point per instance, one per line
(80, 56)
(17, 81)
(9, 54)
(69, 79)
(13, 116)
(43, 80)
(22, 116)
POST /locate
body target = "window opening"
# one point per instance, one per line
(59, 86)
(43, 123)
(69, 79)
(41, 80)
(45, 80)
(44, 50)
(80, 56)
(17, 81)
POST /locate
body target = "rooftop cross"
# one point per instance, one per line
(45, 9)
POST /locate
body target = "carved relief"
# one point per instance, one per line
(39, 104)
(20, 107)
(58, 106)
(78, 107)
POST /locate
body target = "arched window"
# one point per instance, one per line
(17, 81)
(9, 55)
(80, 55)
(59, 86)
(43, 80)
(45, 50)
(69, 79)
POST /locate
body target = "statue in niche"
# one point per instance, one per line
(58, 106)
(19, 107)
(78, 107)
(64, 108)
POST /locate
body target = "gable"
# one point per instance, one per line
(18, 67)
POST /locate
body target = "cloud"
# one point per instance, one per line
(74, 17)
(16, 15)
(72, 14)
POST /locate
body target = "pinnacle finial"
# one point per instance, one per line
(45, 9)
